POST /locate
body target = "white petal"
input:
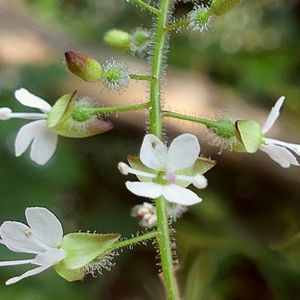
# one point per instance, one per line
(43, 140)
(274, 114)
(280, 154)
(19, 238)
(26, 274)
(153, 152)
(291, 146)
(183, 152)
(45, 226)
(30, 100)
(145, 189)
(177, 194)
(49, 258)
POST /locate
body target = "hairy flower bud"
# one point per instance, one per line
(83, 66)
(220, 7)
(117, 39)
(140, 40)
(62, 120)
(200, 18)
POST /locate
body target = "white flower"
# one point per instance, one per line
(43, 141)
(279, 151)
(166, 172)
(42, 238)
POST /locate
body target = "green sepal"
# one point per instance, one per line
(201, 166)
(84, 248)
(135, 163)
(220, 7)
(249, 134)
(69, 275)
(61, 120)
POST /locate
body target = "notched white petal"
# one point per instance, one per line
(18, 237)
(43, 141)
(153, 152)
(145, 189)
(45, 225)
(176, 194)
(281, 155)
(183, 152)
(30, 100)
(274, 114)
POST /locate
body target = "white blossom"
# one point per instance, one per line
(162, 170)
(43, 140)
(42, 238)
(279, 151)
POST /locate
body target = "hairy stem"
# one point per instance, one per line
(135, 240)
(146, 6)
(141, 77)
(163, 238)
(170, 114)
(177, 25)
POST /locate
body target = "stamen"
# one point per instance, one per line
(28, 116)
(291, 146)
(199, 181)
(125, 170)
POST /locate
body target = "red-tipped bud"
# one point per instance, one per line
(83, 66)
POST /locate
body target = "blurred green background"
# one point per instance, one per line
(223, 244)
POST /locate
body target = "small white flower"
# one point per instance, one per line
(43, 141)
(279, 151)
(42, 238)
(165, 172)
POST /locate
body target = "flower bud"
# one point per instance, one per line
(62, 120)
(83, 252)
(115, 75)
(117, 39)
(83, 66)
(140, 40)
(200, 18)
(249, 135)
(220, 7)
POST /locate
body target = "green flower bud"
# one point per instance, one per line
(62, 120)
(220, 7)
(249, 135)
(117, 39)
(83, 66)
(140, 40)
(85, 252)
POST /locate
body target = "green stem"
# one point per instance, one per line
(177, 25)
(135, 240)
(141, 77)
(121, 108)
(170, 114)
(146, 6)
(163, 238)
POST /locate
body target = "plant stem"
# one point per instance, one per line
(177, 25)
(163, 238)
(135, 240)
(141, 77)
(170, 114)
(147, 6)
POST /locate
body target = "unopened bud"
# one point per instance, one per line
(220, 7)
(117, 39)
(140, 40)
(83, 66)
(200, 18)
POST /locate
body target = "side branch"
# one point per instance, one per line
(177, 25)
(147, 6)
